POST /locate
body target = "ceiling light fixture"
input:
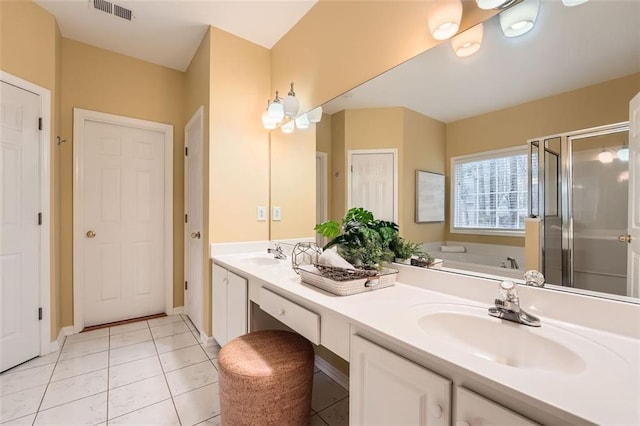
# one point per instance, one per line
(467, 43)
(444, 19)
(519, 19)
(571, 3)
(494, 4)
(291, 104)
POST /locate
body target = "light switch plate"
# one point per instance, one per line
(276, 214)
(261, 213)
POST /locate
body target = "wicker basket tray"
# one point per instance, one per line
(344, 282)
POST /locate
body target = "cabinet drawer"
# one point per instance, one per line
(473, 409)
(300, 319)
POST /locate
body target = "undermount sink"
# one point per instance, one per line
(263, 261)
(547, 348)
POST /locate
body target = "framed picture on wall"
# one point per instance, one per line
(429, 197)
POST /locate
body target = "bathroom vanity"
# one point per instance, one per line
(425, 351)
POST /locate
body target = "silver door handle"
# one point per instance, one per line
(195, 235)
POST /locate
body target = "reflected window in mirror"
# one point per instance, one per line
(489, 192)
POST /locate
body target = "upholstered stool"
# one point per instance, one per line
(266, 378)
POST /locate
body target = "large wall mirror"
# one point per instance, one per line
(467, 117)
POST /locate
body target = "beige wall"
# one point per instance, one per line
(197, 94)
(592, 106)
(338, 167)
(293, 167)
(29, 49)
(340, 44)
(104, 81)
(424, 149)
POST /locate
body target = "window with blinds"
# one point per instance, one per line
(490, 191)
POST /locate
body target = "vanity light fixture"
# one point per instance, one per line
(467, 43)
(444, 18)
(519, 19)
(290, 104)
(623, 154)
(288, 127)
(276, 111)
(315, 115)
(267, 122)
(302, 122)
(494, 4)
(605, 157)
(571, 3)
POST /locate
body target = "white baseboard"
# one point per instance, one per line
(338, 376)
(57, 344)
(207, 340)
(177, 310)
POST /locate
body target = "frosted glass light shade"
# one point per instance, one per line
(519, 19)
(444, 19)
(490, 4)
(468, 42)
(290, 106)
(288, 127)
(276, 112)
(571, 3)
(302, 122)
(267, 122)
(605, 157)
(315, 115)
(623, 154)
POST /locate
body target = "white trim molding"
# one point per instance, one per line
(394, 152)
(45, 203)
(338, 376)
(80, 116)
(57, 344)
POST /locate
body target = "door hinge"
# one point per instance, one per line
(39, 218)
(352, 168)
(39, 123)
(186, 218)
(40, 314)
(186, 285)
(186, 151)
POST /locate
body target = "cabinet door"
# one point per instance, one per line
(475, 410)
(236, 306)
(386, 389)
(219, 304)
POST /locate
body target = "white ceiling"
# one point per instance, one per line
(168, 32)
(569, 48)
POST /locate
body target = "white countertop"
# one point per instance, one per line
(605, 391)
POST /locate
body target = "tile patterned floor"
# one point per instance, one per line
(151, 372)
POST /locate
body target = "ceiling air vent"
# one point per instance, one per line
(113, 9)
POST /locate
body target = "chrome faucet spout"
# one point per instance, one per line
(277, 251)
(514, 262)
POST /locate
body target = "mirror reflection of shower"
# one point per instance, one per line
(580, 190)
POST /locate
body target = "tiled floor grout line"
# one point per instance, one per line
(331, 405)
(164, 374)
(49, 382)
(106, 420)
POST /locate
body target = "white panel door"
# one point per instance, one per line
(373, 184)
(123, 219)
(19, 233)
(633, 255)
(193, 250)
(386, 389)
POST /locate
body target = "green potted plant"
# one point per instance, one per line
(404, 249)
(361, 239)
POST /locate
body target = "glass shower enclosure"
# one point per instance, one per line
(579, 183)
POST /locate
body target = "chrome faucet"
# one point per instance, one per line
(507, 306)
(277, 251)
(514, 263)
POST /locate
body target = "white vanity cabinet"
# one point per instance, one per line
(229, 305)
(475, 410)
(386, 389)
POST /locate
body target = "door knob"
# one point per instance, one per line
(624, 238)
(195, 235)
(91, 234)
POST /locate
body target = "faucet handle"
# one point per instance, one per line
(534, 278)
(508, 291)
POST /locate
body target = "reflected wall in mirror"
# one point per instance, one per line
(561, 76)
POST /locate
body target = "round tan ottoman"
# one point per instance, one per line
(266, 378)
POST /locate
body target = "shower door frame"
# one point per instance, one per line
(566, 198)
